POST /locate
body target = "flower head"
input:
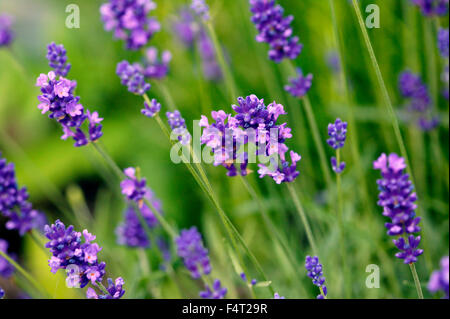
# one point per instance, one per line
(201, 9)
(150, 110)
(132, 77)
(215, 292)
(275, 29)
(178, 126)
(299, 85)
(315, 272)
(337, 132)
(439, 278)
(115, 290)
(14, 204)
(155, 66)
(2, 293)
(129, 21)
(6, 33)
(432, 7)
(443, 42)
(277, 296)
(195, 255)
(57, 59)
(397, 199)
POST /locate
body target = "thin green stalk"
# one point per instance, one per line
(387, 99)
(343, 246)
(229, 80)
(353, 133)
(24, 274)
(302, 215)
(317, 140)
(167, 96)
(412, 266)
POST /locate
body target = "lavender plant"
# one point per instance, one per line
(6, 32)
(439, 279)
(315, 272)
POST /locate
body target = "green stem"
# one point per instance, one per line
(229, 80)
(384, 91)
(412, 266)
(302, 214)
(167, 96)
(24, 274)
(317, 140)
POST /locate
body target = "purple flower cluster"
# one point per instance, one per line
(185, 27)
(131, 75)
(275, 29)
(129, 20)
(397, 198)
(155, 67)
(178, 126)
(6, 269)
(195, 255)
(255, 124)
(201, 9)
(277, 296)
(6, 33)
(439, 278)
(300, 84)
(131, 232)
(78, 259)
(2, 293)
(337, 132)
(14, 203)
(443, 44)
(315, 272)
(58, 98)
(151, 109)
(432, 7)
(217, 291)
(57, 59)
(115, 290)
(412, 88)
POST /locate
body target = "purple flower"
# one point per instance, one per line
(151, 109)
(2, 293)
(205, 46)
(6, 33)
(129, 20)
(334, 62)
(178, 126)
(277, 296)
(217, 292)
(443, 40)
(300, 84)
(201, 9)
(132, 77)
(195, 255)
(275, 29)
(412, 88)
(78, 259)
(57, 59)
(445, 80)
(14, 203)
(133, 188)
(186, 28)
(397, 199)
(315, 272)
(439, 279)
(115, 290)
(6, 269)
(432, 7)
(59, 99)
(337, 132)
(337, 167)
(156, 67)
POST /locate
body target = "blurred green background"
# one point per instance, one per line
(57, 174)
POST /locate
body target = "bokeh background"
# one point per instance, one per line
(61, 176)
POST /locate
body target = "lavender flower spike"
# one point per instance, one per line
(57, 59)
(275, 29)
(439, 278)
(129, 20)
(315, 272)
(132, 77)
(431, 8)
(300, 84)
(195, 255)
(6, 33)
(2, 293)
(150, 110)
(337, 132)
(178, 126)
(201, 9)
(217, 292)
(156, 67)
(443, 42)
(14, 204)
(397, 199)
(115, 290)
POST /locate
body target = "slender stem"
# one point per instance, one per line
(412, 266)
(102, 288)
(229, 80)
(24, 273)
(112, 164)
(322, 293)
(167, 96)
(317, 140)
(384, 91)
(302, 214)
(164, 223)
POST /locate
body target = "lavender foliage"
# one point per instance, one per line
(398, 201)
